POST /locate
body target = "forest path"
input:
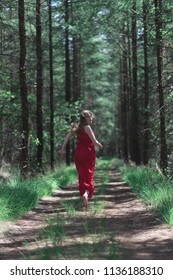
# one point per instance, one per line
(115, 216)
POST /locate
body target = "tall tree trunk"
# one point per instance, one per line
(39, 85)
(1, 116)
(129, 96)
(75, 70)
(51, 89)
(124, 100)
(67, 70)
(23, 90)
(146, 84)
(159, 46)
(134, 126)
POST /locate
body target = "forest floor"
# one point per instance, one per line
(116, 225)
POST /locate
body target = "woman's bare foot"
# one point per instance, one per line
(85, 199)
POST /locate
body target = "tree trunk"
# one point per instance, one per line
(23, 90)
(134, 127)
(129, 96)
(124, 101)
(159, 46)
(67, 70)
(39, 86)
(146, 85)
(51, 89)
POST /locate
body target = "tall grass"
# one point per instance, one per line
(19, 196)
(155, 189)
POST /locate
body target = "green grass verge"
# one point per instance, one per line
(19, 196)
(153, 188)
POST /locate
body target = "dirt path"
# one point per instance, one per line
(115, 216)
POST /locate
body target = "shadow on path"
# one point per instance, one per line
(124, 220)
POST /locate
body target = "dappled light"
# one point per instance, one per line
(59, 228)
(86, 119)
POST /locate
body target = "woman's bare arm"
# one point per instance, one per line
(67, 138)
(90, 133)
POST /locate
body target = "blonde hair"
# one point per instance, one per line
(77, 127)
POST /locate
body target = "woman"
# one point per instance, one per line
(84, 154)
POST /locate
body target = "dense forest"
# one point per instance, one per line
(59, 57)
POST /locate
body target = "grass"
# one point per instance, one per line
(107, 163)
(18, 196)
(155, 190)
(91, 240)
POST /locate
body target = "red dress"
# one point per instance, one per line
(85, 158)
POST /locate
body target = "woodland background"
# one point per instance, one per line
(114, 58)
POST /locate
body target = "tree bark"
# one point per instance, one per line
(67, 70)
(124, 100)
(146, 85)
(52, 145)
(39, 86)
(134, 126)
(159, 47)
(23, 90)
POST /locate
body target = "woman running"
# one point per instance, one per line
(85, 155)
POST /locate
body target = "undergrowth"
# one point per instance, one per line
(154, 188)
(20, 195)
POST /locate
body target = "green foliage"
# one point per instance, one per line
(64, 117)
(19, 196)
(99, 27)
(153, 188)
